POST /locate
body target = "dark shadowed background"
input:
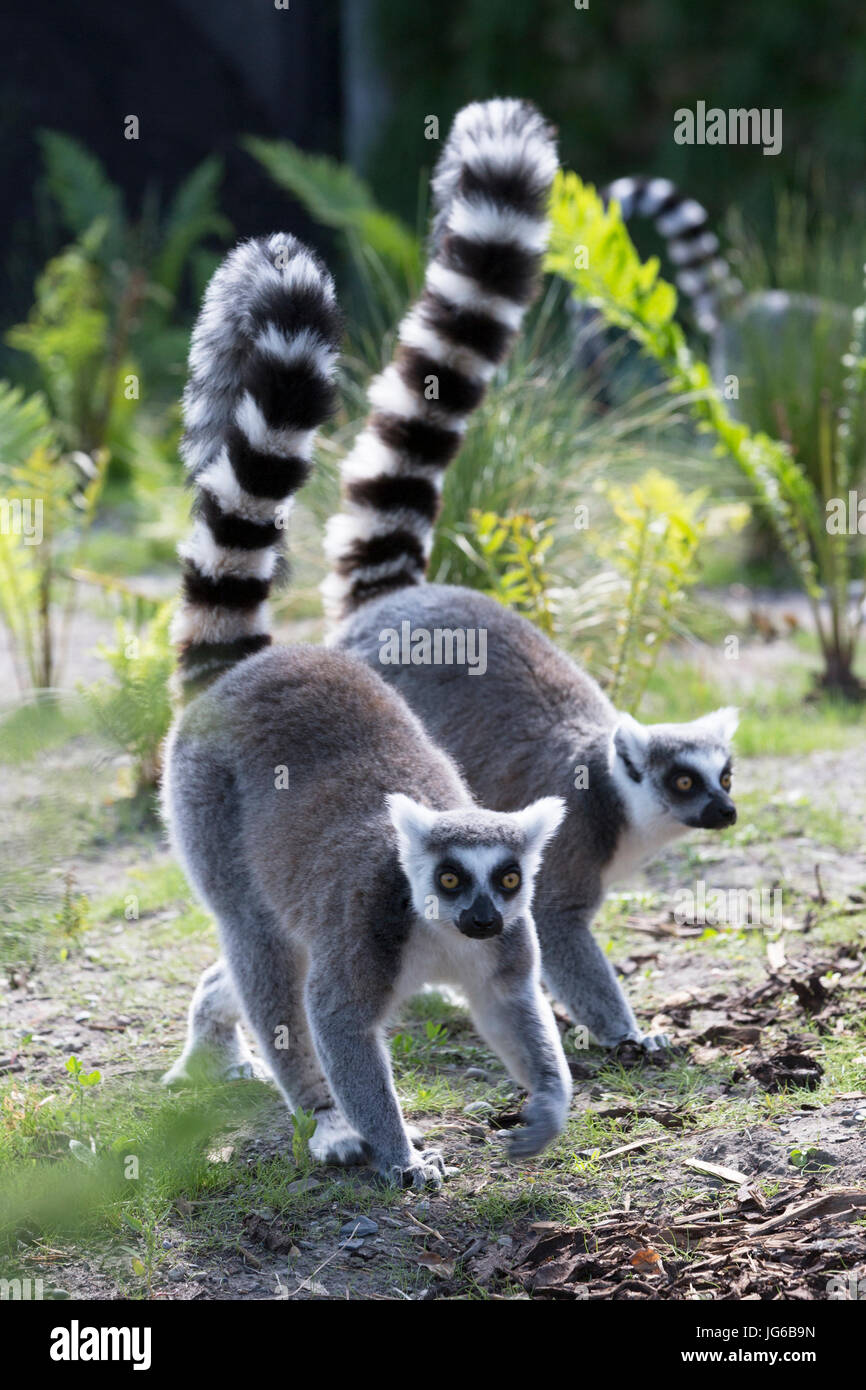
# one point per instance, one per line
(356, 80)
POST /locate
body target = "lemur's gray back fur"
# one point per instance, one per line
(490, 192)
(305, 800)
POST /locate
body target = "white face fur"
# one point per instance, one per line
(478, 887)
(674, 777)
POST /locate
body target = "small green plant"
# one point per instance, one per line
(102, 323)
(790, 365)
(811, 1160)
(659, 531)
(146, 1259)
(591, 249)
(79, 1082)
(52, 499)
(303, 1129)
(72, 918)
(135, 707)
(137, 267)
(510, 554)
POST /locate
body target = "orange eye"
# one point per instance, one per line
(449, 881)
(725, 780)
(510, 881)
(684, 783)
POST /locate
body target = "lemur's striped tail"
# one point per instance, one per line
(702, 274)
(490, 193)
(261, 369)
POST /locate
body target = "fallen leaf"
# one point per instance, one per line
(442, 1268)
(647, 1261)
(730, 1033)
(776, 956)
(624, 1148)
(716, 1170)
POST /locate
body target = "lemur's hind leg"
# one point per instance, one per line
(215, 1049)
(270, 971)
(265, 968)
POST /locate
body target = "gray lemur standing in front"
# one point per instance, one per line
(534, 723)
(341, 853)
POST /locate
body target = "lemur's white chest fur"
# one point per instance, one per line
(647, 829)
(437, 954)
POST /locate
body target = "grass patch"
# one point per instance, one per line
(776, 718)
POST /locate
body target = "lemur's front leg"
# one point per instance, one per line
(580, 976)
(344, 1018)
(513, 1016)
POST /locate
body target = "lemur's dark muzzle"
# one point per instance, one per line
(481, 920)
(718, 813)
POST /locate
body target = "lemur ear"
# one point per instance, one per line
(540, 821)
(722, 723)
(630, 741)
(410, 819)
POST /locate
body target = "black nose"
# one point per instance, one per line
(719, 813)
(481, 919)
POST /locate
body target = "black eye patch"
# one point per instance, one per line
(507, 878)
(685, 781)
(450, 879)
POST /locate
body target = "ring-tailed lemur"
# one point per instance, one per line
(490, 191)
(536, 723)
(339, 850)
(702, 273)
(748, 333)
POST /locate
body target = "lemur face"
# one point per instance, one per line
(694, 785)
(473, 870)
(686, 768)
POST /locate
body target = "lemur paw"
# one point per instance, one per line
(336, 1142)
(527, 1140)
(207, 1068)
(657, 1042)
(427, 1169)
(541, 1123)
(654, 1047)
(416, 1136)
(250, 1070)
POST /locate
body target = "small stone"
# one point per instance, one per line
(303, 1185)
(478, 1107)
(359, 1227)
(83, 1017)
(176, 1275)
(475, 1074)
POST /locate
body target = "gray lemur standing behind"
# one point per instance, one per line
(339, 850)
(533, 722)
